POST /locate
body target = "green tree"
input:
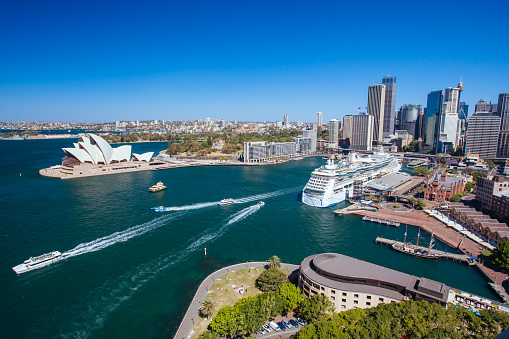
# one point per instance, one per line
(229, 149)
(500, 255)
(291, 295)
(420, 204)
(207, 307)
(422, 171)
(315, 308)
(274, 262)
(225, 322)
(456, 198)
(249, 315)
(209, 335)
(270, 280)
(270, 305)
(469, 186)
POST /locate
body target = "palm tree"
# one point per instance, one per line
(274, 262)
(207, 307)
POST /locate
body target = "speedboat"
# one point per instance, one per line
(159, 208)
(37, 262)
(157, 187)
(226, 202)
(261, 203)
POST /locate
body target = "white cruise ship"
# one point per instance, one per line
(38, 262)
(334, 182)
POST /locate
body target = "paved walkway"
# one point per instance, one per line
(186, 326)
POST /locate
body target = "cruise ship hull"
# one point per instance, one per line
(334, 194)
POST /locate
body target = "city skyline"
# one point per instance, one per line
(186, 61)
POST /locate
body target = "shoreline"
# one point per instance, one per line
(185, 329)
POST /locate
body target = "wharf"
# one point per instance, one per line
(381, 221)
(356, 207)
(440, 254)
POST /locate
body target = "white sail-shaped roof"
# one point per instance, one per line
(96, 150)
(144, 157)
(106, 149)
(79, 154)
(122, 153)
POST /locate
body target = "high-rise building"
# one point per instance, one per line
(334, 132)
(362, 132)
(347, 127)
(463, 111)
(452, 99)
(285, 120)
(376, 108)
(312, 135)
(482, 134)
(483, 106)
(503, 111)
(319, 119)
(390, 104)
(409, 117)
(432, 120)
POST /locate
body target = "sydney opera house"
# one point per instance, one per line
(95, 156)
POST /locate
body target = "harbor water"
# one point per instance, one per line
(131, 272)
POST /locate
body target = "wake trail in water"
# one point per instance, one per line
(121, 236)
(106, 299)
(191, 207)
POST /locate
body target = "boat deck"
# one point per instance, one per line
(441, 254)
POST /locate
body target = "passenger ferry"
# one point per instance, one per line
(334, 182)
(226, 202)
(157, 187)
(38, 262)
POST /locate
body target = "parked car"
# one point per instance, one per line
(267, 328)
(274, 326)
(281, 326)
(261, 330)
(301, 322)
(286, 323)
(294, 323)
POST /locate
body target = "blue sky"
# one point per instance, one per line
(241, 60)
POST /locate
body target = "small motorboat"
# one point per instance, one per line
(226, 202)
(159, 208)
(157, 187)
(261, 203)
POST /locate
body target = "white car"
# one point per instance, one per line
(267, 328)
(261, 330)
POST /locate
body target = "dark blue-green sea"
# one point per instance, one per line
(131, 272)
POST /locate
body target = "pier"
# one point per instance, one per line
(355, 208)
(381, 221)
(440, 254)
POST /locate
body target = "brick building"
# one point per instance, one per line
(487, 187)
(442, 187)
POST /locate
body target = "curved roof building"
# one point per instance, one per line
(352, 283)
(94, 149)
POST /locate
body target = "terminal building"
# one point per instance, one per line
(261, 151)
(351, 283)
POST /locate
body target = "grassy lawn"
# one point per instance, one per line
(222, 293)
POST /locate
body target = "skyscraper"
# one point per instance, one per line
(390, 104)
(334, 132)
(483, 133)
(362, 132)
(285, 120)
(319, 119)
(432, 119)
(312, 135)
(409, 116)
(376, 108)
(347, 127)
(463, 111)
(503, 111)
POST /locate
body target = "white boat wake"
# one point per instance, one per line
(106, 299)
(237, 201)
(121, 236)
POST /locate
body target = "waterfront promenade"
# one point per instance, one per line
(498, 280)
(185, 329)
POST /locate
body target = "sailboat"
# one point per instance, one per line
(416, 250)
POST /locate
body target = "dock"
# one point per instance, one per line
(355, 208)
(440, 254)
(381, 221)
